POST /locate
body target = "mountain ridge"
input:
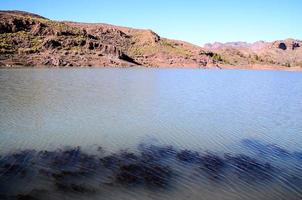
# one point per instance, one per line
(27, 39)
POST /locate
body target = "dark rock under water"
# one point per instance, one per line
(72, 170)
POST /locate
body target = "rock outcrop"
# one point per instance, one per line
(288, 44)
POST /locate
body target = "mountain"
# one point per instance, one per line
(239, 45)
(281, 53)
(28, 39)
(31, 40)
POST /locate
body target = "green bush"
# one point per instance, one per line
(5, 46)
(217, 57)
(167, 44)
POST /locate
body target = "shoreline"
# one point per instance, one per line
(218, 68)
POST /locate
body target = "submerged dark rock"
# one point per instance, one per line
(157, 176)
(16, 165)
(250, 169)
(4, 197)
(74, 188)
(128, 158)
(188, 156)
(297, 155)
(150, 175)
(71, 158)
(64, 175)
(156, 153)
(212, 163)
(278, 151)
(70, 169)
(130, 174)
(26, 197)
(253, 144)
(14, 170)
(111, 161)
(266, 149)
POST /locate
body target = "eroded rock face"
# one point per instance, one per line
(14, 25)
(56, 61)
(51, 44)
(111, 50)
(93, 45)
(75, 43)
(41, 29)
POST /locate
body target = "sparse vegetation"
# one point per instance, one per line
(36, 43)
(217, 57)
(167, 43)
(256, 57)
(287, 64)
(5, 51)
(143, 50)
(4, 45)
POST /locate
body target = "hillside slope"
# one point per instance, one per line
(282, 53)
(31, 40)
(28, 39)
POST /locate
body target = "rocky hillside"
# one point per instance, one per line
(28, 39)
(283, 53)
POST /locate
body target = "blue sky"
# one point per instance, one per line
(196, 21)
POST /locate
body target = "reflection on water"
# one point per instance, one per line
(150, 134)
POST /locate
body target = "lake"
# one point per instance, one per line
(150, 134)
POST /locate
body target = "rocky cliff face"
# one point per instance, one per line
(28, 39)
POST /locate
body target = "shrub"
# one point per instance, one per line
(167, 44)
(257, 58)
(287, 64)
(217, 57)
(5, 46)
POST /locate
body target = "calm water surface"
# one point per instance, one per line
(229, 134)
